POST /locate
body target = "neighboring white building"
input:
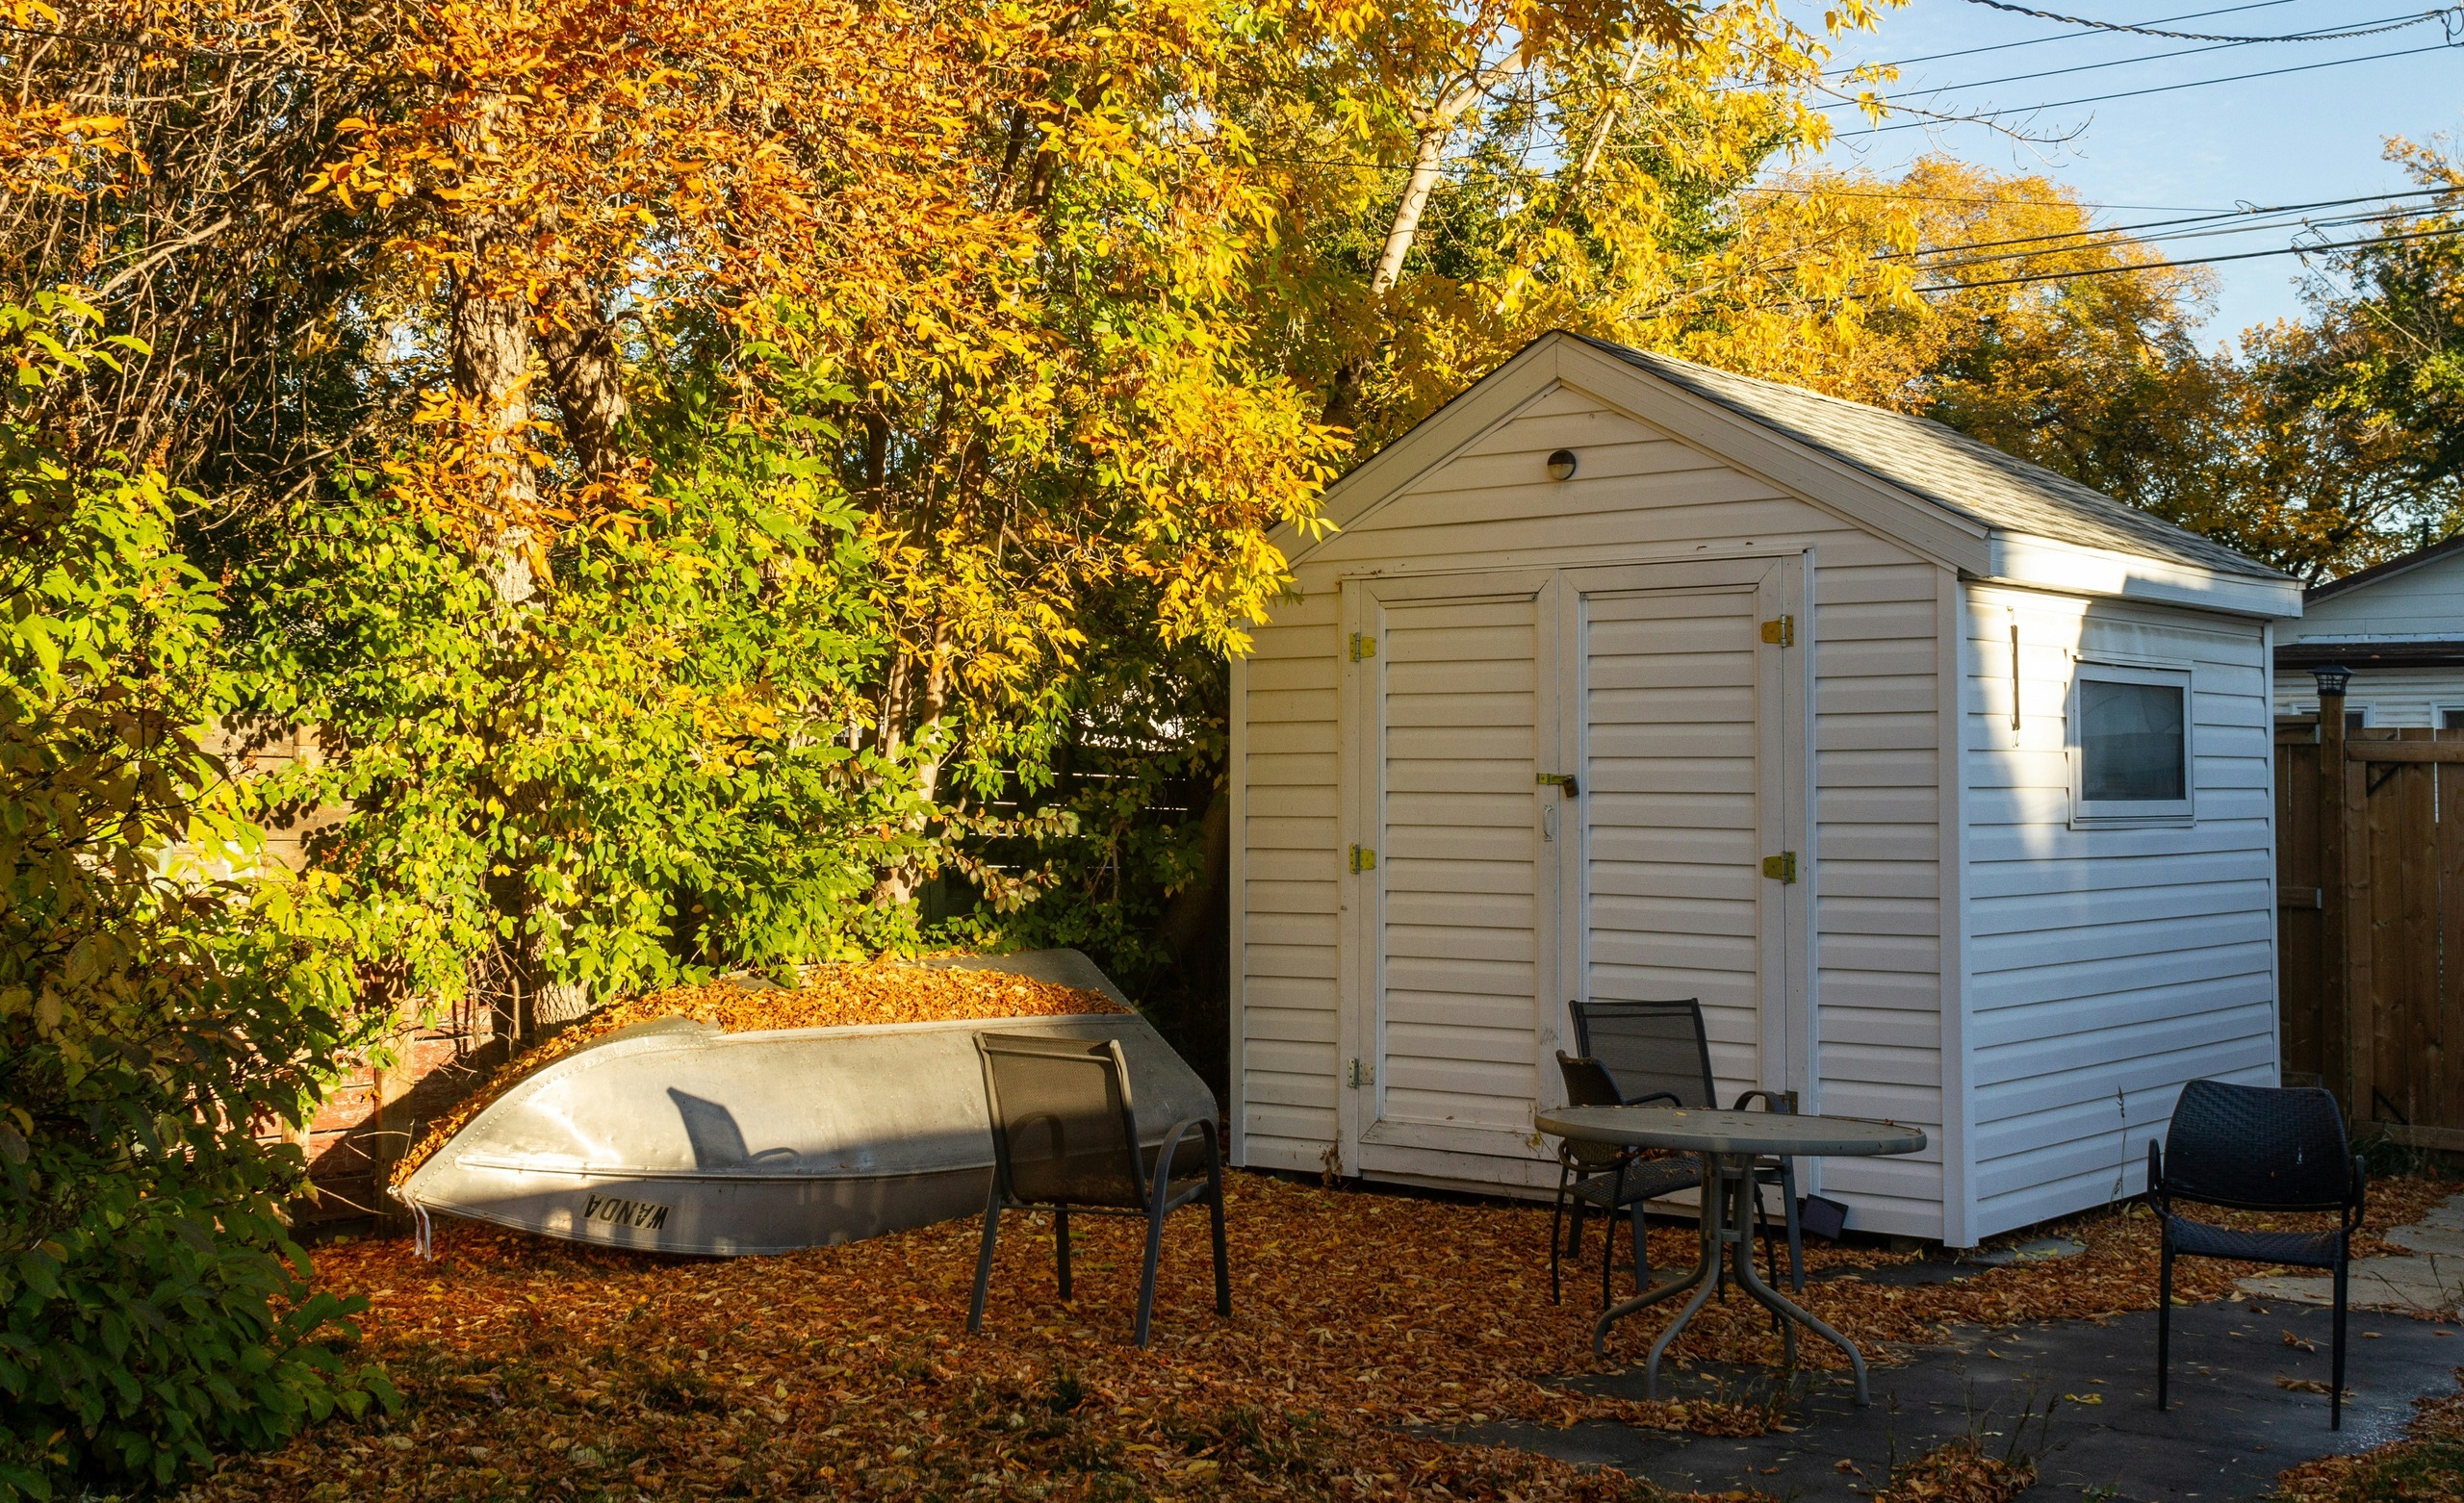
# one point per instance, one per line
(2400, 626)
(1747, 626)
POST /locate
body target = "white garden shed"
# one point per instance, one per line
(1942, 781)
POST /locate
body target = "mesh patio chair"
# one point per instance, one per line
(1660, 1052)
(1065, 1138)
(1611, 1179)
(2255, 1148)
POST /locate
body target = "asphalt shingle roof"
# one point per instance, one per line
(1947, 468)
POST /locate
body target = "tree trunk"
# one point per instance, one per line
(1436, 127)
(587, 377)
(919, 697)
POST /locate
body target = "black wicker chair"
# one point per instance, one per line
(1610, 1179)
(1065, 1138)
(1661, 1052)
(2255, 1148)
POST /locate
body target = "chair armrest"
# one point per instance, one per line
(1669, 1096)
(2358, 1197)
(1160, 1184)
(1780, 1102)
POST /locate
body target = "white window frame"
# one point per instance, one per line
(2438, 714)
(2367, 719)
(2109, 813)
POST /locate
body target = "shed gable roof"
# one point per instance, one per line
(1947, 468)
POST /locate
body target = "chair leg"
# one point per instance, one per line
(1214, 1212)
(1796, 1233)
(1060, 1247)
(2164, 1318)
(1556, 1247)
(2336, 1361)
(1146, 1278)
(984, 1262)
(1609, 1237)
(1642, 1249)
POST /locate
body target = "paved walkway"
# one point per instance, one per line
(2428, 1283)
(2246, 1404)
(2249, 1393)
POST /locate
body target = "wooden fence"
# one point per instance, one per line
(2370, 888)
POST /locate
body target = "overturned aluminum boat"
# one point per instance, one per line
(672, 1137)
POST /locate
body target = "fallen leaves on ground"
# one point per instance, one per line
(830, 996)
(2426, 1463)
(1366, 1327)
(1958, 1471)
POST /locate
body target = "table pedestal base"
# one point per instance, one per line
(1728, 1226)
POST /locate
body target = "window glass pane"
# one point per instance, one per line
(2131, 744)
(2451, 717)
(2357, 720)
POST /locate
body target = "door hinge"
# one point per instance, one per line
(1363, 647)
(1361, 1075)
(1563, 782)
(1363, 859)
(1782, 867)
(1781, 631)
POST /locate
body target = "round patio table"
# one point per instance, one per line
(1729, 1142)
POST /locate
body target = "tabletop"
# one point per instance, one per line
(1781, 1133)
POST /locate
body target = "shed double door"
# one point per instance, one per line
(1490, 889)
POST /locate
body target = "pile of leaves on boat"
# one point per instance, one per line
(832, 996)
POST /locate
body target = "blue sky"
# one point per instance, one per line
(2292, 139)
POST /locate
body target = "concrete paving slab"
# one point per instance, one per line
(2246, 1403)
(2429, 1281)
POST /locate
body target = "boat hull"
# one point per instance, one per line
(671, 1136)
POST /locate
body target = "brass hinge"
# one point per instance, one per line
(1781, 631)
(1363, 859)
(1563, 781)
(1361, 1075)
(1363, 647)
(1782, 867)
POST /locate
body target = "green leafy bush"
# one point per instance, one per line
(639, 771)
(160, 1000)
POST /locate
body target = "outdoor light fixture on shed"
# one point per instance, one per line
(2333, 679)
(1562, 464)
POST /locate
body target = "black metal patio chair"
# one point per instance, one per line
(1661, 1052)
(1065, 1138)
(1608, 1178)
(2255, 1148)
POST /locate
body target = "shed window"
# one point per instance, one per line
(2130, 744)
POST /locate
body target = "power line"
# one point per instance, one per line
(2021, 78)
(2448, 233)
(1982, 198)
(2037, 41)
(2253, 213)
(2342, 222)
(2167, 88)
(2448, 19)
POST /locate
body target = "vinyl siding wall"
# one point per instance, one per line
(2391, 696)
(2422, 602)
(1876, 859)
(2105, 966)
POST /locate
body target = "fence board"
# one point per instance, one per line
(2298, 914)
(2372, 831)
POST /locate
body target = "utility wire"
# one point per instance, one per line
(2450, 18)
(2037, 41)
(2344, 222)
(2167, 88)
(2021, 78)
(2253, 213)
(2201, 261)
